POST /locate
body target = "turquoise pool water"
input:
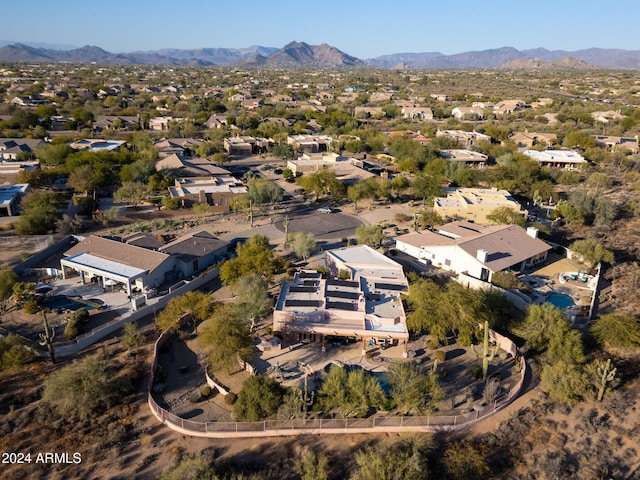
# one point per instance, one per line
(61, 302)
(560, 300)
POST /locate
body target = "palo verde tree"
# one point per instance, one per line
(194, 306)
(253, 257)
(226, 335)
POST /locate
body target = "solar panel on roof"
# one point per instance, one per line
(390, 286)
(308, 275)
(302, 303)
(352, 307)
(342, 283)
(303, 289)
(308, 283)
(341, 294)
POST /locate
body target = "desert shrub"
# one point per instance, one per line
(259, 398)
(402, 217)
(75, 325)
(506, 280)
(230, 398)
(82, 388)
(440, 355)
(171, 203)
(476, 372)
(206, 391)
(433, 344)
(13, 352)
(31, 307)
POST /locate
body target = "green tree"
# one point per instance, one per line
(81, 179)
(303, 244)
(564, 382)
(323, 182)
(371, 235)
(354, 393)
(8, 279)
(226, 336)
(426, 187)
(258, 398)
(592, 252)
(39, 213)
(82, 388)
(252, 257)
(506, 216)
(253, 299)
(133, 193)
(412, 391)
(131, 337)
(195, 306)
(616, 330)
(406, 460)
(201, 209)
(171, 203)
(262, 192)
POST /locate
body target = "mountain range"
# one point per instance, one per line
(303, 55)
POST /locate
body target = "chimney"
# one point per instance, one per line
(532, 232)
(482, 255)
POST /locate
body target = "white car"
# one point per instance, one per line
(324, 210)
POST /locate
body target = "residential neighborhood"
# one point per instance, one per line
(323, 263)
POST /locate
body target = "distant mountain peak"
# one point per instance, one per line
(565, 63)
(298, 54)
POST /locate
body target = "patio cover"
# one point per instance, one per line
(103, 267)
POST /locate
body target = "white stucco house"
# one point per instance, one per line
(476, 250)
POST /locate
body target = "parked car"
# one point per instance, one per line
(324, 210)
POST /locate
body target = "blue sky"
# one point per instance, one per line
(360, 28)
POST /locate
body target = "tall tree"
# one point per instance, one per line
(303, 244)
(39, 213)
(195, 306)
(133, 193)
(227, 339)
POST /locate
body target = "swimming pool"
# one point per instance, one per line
(560, 300)
(62, 302)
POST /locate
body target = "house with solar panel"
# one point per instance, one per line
(360, 301)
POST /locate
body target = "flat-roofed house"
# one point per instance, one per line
(474, 204)
(557, 158)
(468, 157)
(476, 250)
(364, 304)
(215, 190)
(618, 143)
(464, 138)
(10, 196)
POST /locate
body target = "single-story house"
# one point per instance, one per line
(137, 269)
(474, 204)
(476, 250)
(361, 300)
(557, 158)
(10, 196)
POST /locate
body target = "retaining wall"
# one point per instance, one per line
(377, 424)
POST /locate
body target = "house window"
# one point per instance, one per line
(447, 262)
(195, 265)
